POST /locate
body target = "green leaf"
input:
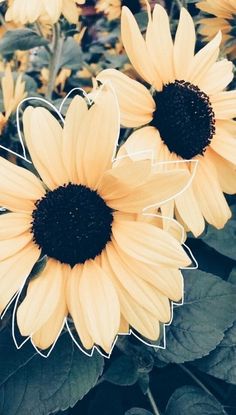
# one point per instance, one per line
(198, 326)
(191, 400)
(122, 371)
(20, 39)
(137, 411)
(221, 362)
(33, 385)
(224, 240)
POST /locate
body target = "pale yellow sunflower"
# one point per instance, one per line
(105, 266)
(13, 92)
(112, 8)
(186, 113)
(28, 11)
(222, 17)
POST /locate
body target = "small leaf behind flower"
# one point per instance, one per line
(20, 39)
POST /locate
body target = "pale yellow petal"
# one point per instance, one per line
(19, 188)
(136, 48)
(100, 305)
(98, 137)
(14, 224)
(42, 297)
(209, 195)
(146, 295)
(224, 104)
(217, 78)
(160, 45)
(204, 59)
(135, 101)
(75, 308)
(226, 172)
(148, 244)
(14, 270)
(74, 118)
(184, 45)
(43, 135)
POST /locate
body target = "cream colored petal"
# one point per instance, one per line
(14, 270)
(9, 247)
(148, 244)
(224, 105)
(7, 88)
(100, 305)
(124, 326)
(70, 11)
(225, 145)
(74, 118)
(160, 44)
(146, 295)
(184, 45)
(139, 318)
(121, 180)
(141, 144)
(190, 211)
(14, 224)
(209, 194)
(217, 78)
(135, 101)
(19, 188)
(53, 8)
(75, 308)
(136, 48)
(50, 331)
(204, 59)
(169, 281)
(42, 297)
(158, 187)
(43, 135)
(226, 173)
(98, 137)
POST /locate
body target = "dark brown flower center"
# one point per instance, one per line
(184, 118)
(72, 224)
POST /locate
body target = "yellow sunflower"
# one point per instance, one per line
(186, 114)
(105, 266)
(12, 94)
(223, 17)
(28, 11)
(112, 8)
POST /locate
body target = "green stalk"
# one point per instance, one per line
(152, 402)
(54, 59)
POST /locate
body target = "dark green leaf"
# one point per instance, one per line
(190, 400)
(199, 325)
(122, 371)
(224, 240)
(33, 385)
(137, 411)
(20, 39)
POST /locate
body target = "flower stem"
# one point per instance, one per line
(40, 32)
(196, 380)
(54, 60)
(152, 402)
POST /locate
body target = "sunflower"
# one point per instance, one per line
(104, 265)
(12, 94)
(28, 11)
(112, 8)
(186, 114)
(223, 17)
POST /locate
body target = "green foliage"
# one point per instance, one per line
(20, 39)
(33, 385)
(199, 325)
(190, 400)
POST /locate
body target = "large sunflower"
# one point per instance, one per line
(222, 17)
(104, 265)
(28, 11)
(186, 114)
